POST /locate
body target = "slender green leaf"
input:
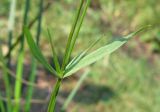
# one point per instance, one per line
(66, 59)
(37, 53)
(55, 58)
(102, 52)
(18, 83)
(32, 75)
(75, 36)
(30, 89)
(2, 107)
(6, 81)
(19, 69)
(80, 56)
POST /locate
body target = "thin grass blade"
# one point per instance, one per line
(32, 75)
(18, 83)
(37, 53)
(65, 60)
(20, 61)
(2, 107)
(55, 58)
(30, 87)
(75, 36)
(80, 56)
(102, 52)
(6, 81)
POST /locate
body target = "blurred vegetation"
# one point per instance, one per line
(128, 80)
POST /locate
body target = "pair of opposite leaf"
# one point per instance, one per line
(80, 61)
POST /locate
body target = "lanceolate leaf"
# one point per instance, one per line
(66, 57)
(75, 36)
(55, 58)
(101, 52)
(75, 60)
(36, 51)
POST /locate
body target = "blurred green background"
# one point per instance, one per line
(128, 80)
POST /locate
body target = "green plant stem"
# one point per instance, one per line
(52, 102)
(2, 108)
(39, 21)
(18, 83)
(11, 22)
(6, 82)
(30, 88)
(33, 64)
(8, 90)
(19, 72)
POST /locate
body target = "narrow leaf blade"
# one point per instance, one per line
(80, 56)
(77, 30)
(55, 58)
(66, 56)
(102, 52)
(36, 51)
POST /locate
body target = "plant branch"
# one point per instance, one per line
(52, 102)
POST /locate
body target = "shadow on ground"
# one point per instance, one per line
(91, 94)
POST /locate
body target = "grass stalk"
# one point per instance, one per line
(33, 64)
(30, 88)
(18, 83)
(52, 101)
(19, 72)
(6, 82)
(2, 108)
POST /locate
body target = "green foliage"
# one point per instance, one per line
(55, 58)
(33, 72)
(6, 81)
(78, 62)
(18, 83)
(74, 30)
(37, 52)
(2, 108)
(20, 61)
(103, 16)
(101, 52)
(53, 97)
